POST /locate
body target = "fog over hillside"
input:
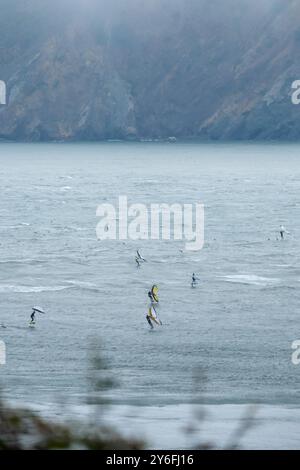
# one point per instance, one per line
(93, 70)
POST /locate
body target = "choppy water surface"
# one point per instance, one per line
(237, 326)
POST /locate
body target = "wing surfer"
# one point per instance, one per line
(32, 316)
(140, 258)
(152, 315)
(282, 232)
(194, 280)
(34, 310)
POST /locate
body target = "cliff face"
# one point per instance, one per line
(217, 69)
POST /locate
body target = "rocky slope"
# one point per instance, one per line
(93, 70)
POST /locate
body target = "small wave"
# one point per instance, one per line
(285, 287)
(77, 229)
(22, 261)
(247, 243)
(7, 288)
(282, 265)
(251, 279)
(83, 285)
(22, 224)
(150, 181)
(67, 177)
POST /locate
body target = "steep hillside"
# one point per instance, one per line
(89, 70)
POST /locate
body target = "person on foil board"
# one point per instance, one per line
(32, 316)
(139, 257)
(194, 280)
(34, 311)
(152, 317)
(282, 232)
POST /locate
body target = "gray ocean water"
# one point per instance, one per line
(235, 329)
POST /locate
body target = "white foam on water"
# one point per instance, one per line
(6, 288)
(250, 279)
(83, 285)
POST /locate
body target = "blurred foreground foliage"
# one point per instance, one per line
(23, 429)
